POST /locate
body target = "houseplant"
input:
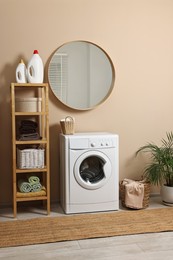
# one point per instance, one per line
(160, 169)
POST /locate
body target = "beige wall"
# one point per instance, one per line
(137, 34)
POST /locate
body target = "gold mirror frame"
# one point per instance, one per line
(92, 63)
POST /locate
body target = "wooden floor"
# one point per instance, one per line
(134, 247)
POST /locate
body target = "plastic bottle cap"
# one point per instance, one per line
(21, 61)
(35, 52)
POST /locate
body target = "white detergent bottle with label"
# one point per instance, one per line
(21, 72)
(35, 68)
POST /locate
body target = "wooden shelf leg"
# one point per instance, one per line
(14, 208)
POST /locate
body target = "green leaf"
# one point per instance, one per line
(160, 169)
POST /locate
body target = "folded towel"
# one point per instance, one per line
(26, 122)
(31, 136)
(33, 179)
(24, 186)
(134, 193)
(27, 130)
(36, 187)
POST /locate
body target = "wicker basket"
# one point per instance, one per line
(67, 125)
(145, 203)
(30, 158)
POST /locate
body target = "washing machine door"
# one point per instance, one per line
(92, 170)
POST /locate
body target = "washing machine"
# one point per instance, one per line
(89, 172)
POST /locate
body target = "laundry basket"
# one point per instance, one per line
(146, 197)
(67, 125)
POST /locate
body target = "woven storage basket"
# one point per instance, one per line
(67, 125)
(30, 158)
(145, 203)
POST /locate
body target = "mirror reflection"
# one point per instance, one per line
(81, 75)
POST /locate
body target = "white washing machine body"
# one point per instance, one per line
(89, 172)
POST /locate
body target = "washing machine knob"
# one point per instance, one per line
(93, 144)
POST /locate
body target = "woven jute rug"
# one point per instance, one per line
(81, 226)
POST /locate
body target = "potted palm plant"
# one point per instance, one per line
(160, 169)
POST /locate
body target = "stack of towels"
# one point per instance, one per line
(31, 184)
(28, 130)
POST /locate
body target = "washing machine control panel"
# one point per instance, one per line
(90, 142)
(101, 142)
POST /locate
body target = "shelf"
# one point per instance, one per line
(31, 170)
(42, 118)
(31, 142)
(30, 198)
(32, 85)
(30, 113)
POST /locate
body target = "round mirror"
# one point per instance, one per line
(81, 75)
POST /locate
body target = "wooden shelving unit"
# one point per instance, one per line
(42, 118)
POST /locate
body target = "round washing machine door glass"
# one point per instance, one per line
(92, 170)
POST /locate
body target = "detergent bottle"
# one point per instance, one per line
(21, 72)
(35, 68)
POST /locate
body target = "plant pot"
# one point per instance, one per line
(167, 195)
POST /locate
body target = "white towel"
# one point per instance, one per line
(134, 193)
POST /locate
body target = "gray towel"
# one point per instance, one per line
(24, 186)
(36, 187)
